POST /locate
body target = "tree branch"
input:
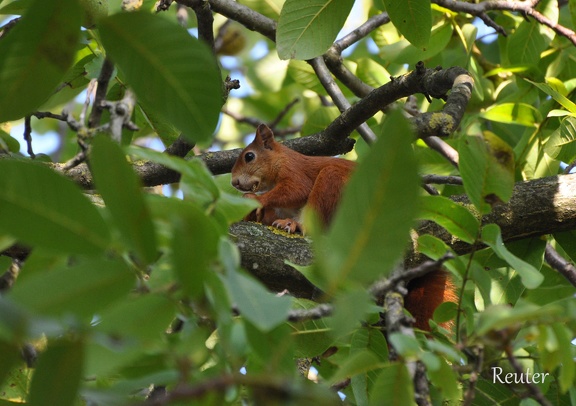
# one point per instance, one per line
(334, 139)
(538, 207)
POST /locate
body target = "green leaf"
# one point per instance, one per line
(487, 169)
(58, 375)
(526, 44)
(36, 54)
(81, 290)
(10, 356)
(311, 337)
(172, 73)
(567, 240)
(194, 246)
(403, 51)
(502, 316)
(196, 182)
(444, 378)
(572, 7)
(143, 317)
(357, 235)
(456, 219)
(568, 369)
(307, 28)
(561, 145)
(121, 190)
(350, 308)
(260, 307)
(413, 18)
(559, 97)
(357, 363)
(44, 209)
(491, 236)
(393, 386)
(513, 113)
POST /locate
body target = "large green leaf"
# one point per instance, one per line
(80, 290)
(487, 168)
(36, 54)
(526, 44)
(121, 190)
(171, 72)
(413, 18)
(378, 208)
(452, 216)
(45, 209)
(58, 375)
(307, 28)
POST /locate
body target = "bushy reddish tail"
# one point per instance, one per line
(425, 294)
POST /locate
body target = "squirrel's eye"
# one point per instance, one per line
(249, 156)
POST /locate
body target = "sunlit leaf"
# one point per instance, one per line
(562, 143)
(307, 28)
(403, 51)
(513, 113)
(413, 18)
(550, 91)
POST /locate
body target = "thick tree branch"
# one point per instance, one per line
(334, 139)
(538, 207)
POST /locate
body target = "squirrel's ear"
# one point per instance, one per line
(265, 135)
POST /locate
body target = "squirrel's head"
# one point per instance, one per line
(255, 169)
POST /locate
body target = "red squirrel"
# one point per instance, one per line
(284, 181)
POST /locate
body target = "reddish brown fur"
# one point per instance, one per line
(288, 181)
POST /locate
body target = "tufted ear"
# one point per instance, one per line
(265, 136)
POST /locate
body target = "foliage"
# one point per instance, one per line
(123, 293)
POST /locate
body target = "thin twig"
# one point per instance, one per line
(337, 96)
(473, 380)
(534, 390)
(440, 146)
(318, 312)
(101, 90)
(385, 285)
(557, 262)
(28, 136)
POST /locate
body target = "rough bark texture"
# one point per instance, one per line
(538, 207)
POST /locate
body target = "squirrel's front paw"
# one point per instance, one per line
(288, 225)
